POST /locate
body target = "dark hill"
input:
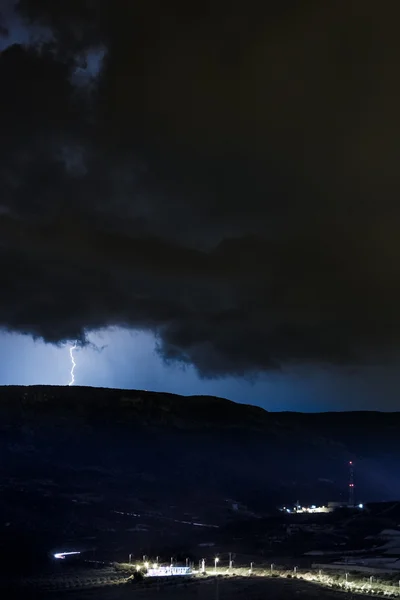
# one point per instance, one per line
(130, 470)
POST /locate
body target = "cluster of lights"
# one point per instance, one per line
(298, 508)
(310, 509)
(157, 570)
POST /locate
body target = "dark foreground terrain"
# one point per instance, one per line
(112, 472)
(251, 588)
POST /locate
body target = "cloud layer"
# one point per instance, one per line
(229, 180)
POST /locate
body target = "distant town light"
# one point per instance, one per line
(361, 506)
(308, 509)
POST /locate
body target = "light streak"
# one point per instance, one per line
(62, 555)
(73, 364)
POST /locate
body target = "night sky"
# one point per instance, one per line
(205, 196)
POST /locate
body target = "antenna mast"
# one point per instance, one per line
(351, 484)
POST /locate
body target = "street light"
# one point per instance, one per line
(216, 561)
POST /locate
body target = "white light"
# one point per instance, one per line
(62, 555)
(73, 363)
(168, 571)
(313, 506)
(361, 506)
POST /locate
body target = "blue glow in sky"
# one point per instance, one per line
(17, 31)
(129, 360)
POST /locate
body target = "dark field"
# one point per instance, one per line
(251, 588)
(107, 585)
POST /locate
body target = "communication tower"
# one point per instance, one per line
(351, 483)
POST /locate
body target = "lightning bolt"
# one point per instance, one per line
(73, 364)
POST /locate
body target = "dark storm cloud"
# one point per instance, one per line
(229, 180)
